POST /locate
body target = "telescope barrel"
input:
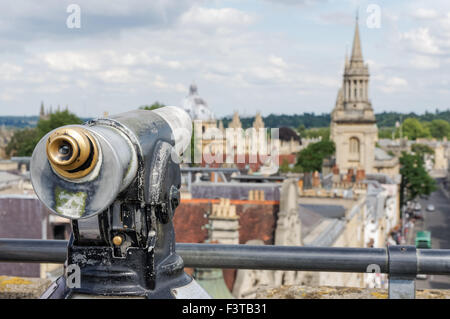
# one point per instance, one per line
(78, 170)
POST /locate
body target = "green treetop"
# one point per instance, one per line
(24, 141)
(438, 128)
(154, 106)
(415, 179)
(310, 159)
(413, 129)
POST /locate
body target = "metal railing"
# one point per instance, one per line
(402, 263)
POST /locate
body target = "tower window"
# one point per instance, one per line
(354, 145)
(354, 149)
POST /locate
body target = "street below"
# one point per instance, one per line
(438, 223)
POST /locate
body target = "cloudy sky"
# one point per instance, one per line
(272, 56)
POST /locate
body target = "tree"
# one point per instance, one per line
(421, 149)
(385, 132)
(301, 130)
(24, 141)
(310, 159)
(284, 167)
(323, 132)
(154, 106)
(415, 179)
(439, 128)
(413, 129)
(55, 120)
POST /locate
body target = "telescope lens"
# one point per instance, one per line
(61, 149)
(64, 149)
(72, 152)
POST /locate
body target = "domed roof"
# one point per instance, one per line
(195, 106)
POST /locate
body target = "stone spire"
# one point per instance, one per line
(347, 63)
(235, 122)
(258, 123)
(42, 111)
(353, 103)
(356, 50)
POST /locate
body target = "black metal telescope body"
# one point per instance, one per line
(118, 179)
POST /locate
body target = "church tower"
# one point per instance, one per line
(353, 124)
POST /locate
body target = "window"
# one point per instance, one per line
(354, 149)
(354, 145)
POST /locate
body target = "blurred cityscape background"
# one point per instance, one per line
(350, 174)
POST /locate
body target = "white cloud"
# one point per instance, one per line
(424, 62)
(116, 75)
(209, 17)
(160, 83)
(424, 13)
(9, 71)
(278, 61)
(132, 53)
(394, 84)
(70, 61)
(420, 40)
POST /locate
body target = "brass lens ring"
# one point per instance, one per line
(63, 150)
(72, 152)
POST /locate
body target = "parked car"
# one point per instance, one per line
(417, 207)
(430, 208)
(423, 241)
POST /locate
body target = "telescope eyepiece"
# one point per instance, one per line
(62, 149)
(72, 152)
(65, 150)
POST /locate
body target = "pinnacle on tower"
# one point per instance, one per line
(193, 89)
(42, 110)
(356, 50)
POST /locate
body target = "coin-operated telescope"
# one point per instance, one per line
(118, 180)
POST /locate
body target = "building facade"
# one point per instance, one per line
(353, 124)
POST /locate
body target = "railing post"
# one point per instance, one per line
(402, 272)
(189, 181)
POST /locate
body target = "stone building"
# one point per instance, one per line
(355, 210)
(216, 146)
(5, 136)
(290, 141)
(22, 215)
(353, 124)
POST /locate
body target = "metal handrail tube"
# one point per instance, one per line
(268, 257)
(271, 257)
(33, 250)
(209, 169)
(433, 261)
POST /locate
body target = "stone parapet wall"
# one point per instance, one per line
(22, 288)
(324, 292)
(32, 288)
